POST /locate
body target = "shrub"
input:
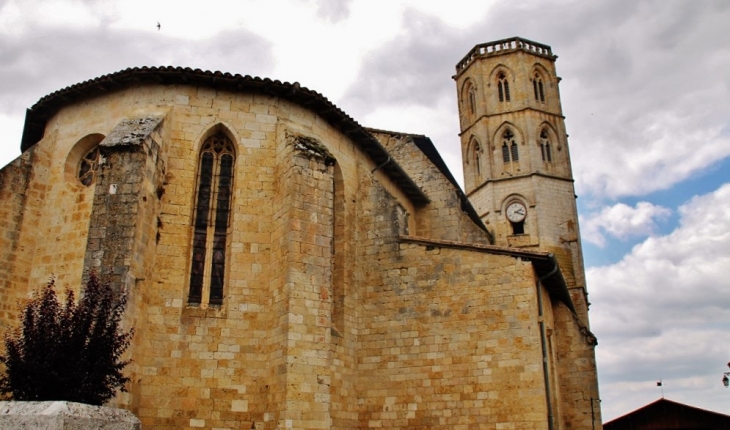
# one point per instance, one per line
(68, 351)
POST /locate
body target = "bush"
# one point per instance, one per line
(68, 351)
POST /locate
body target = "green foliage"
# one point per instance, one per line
(68, 351)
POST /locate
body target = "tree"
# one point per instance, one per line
(68, 351)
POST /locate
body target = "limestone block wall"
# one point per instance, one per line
(442, 218)
(576, 368)
(193, 367)
(551, 222)
(14, 182)
(330, 319)
(45, 225)
(457, 350)
(227, 366)
(448, 337)
(303, 294)
(343, 332)
(124, 227)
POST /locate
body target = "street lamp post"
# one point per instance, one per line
(725, 379)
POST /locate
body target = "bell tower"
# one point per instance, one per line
(515, 156)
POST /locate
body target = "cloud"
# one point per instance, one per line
(412, 69)
(26, 61)
(622, 221)
(663, 311)
(645, 90)
(37, 61)
(649, 99)
(334, 10)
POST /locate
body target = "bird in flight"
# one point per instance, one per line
(158, 26)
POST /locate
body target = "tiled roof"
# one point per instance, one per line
(37, 116)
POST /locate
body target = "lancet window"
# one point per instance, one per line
(472, 100)
(538, 87)
(510, 151)
(469, 97)
(503, 87)
(212, 217)
(545, 149)
(477, 164)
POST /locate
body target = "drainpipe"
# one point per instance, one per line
(543, 342)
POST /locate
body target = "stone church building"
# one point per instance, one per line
(290, 268)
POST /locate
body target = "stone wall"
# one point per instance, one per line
(444, 217)
(15, 179)
(331, 317)
(458, 350)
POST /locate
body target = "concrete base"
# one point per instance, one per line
(64, 416)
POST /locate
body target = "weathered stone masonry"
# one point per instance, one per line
(363, 288)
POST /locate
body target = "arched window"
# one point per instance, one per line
(88, 167)
(503, 87)
(547, 155)
(84, 160)
(510, 152)
(538, 87)
(212, 214)
(469, 97)
(472, 100)
(477, 164)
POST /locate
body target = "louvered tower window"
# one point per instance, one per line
(503, 87)
(510, 152)
(212, 215)
(537, 86)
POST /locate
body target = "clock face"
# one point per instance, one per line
(516, 212)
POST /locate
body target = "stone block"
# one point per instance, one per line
(59, 415)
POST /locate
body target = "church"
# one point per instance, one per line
(289, 268)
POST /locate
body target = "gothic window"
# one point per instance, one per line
(212, 215)
(538, 88)
(510, 152)
(469, 97)
(88, 166)
(477, 165)
(547, 155)
(503, 87)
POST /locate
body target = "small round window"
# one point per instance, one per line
(88, 166)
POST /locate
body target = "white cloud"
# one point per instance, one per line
(622, 221)
(644, 100)
(663, 311)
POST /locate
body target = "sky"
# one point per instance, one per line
(645, 92)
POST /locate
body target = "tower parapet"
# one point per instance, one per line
(504, 46)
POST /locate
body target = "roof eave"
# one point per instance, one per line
(37, 116)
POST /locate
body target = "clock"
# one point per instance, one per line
(516, 212)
